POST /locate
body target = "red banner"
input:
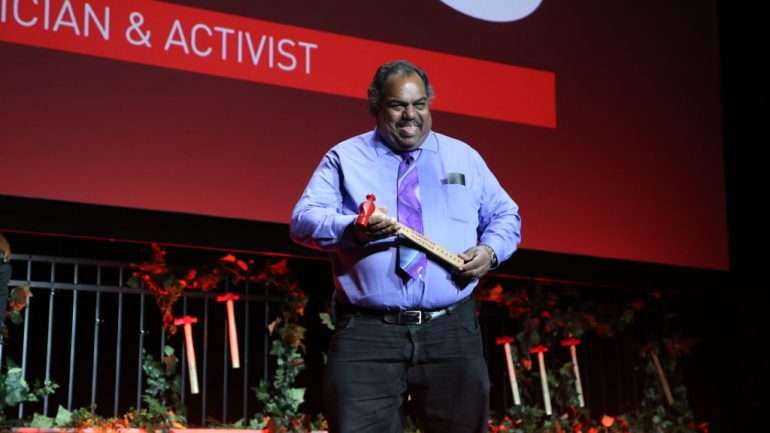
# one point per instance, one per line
(177, 37)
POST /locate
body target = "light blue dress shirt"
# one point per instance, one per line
(463, 205)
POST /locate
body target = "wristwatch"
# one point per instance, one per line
(491, 254)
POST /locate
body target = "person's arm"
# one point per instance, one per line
(318, 220)
(499, 219)
(499, 230)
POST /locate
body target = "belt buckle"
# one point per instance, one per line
(411, 315)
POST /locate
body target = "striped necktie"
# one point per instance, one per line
(410, 260)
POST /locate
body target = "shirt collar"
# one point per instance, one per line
(430, 144)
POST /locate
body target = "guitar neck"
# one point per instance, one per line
(430, 246)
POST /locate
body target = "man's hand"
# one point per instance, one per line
(380, 226)
(478, 260)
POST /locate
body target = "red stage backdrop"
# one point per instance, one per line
(602, 119)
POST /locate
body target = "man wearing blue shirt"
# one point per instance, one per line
(406, 324)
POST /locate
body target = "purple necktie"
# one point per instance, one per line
(410, 260)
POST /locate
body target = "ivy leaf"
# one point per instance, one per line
(41, 421)
(16, 388)
(168, 351)
(63, 417)
(258, 422)
(133, 283)
(47, 388)
(16, 317)
(296, 396)
(326, 319)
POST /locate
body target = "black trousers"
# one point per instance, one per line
(373, 367)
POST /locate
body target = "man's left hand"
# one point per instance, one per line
(478, 261)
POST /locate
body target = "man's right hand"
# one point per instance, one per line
(380, 226)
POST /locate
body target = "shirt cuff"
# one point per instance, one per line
(498, 246)
(492, 254)
(343, 228)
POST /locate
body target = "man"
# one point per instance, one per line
(406, 326)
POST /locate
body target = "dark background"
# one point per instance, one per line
(740, 308)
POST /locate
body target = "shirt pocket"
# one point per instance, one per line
(461, 203)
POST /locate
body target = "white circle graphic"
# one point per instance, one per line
(498, 11)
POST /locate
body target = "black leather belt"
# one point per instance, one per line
(405, 317)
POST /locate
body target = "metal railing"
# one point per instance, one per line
(120, 326)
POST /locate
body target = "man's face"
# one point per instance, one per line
(404, 117)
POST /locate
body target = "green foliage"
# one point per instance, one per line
(326, 320)
(63, 417)
(17, 301)
(14, 389)
(162, 394)
(654, 413)
(78, 419)
(524, 419)
(164, 408)
(41, 421)
(551, 316)
(280, 400)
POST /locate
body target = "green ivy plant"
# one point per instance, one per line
(547, 315)
(14, 389)
(79, 419)
(280, 399)
(17, 301)
(162, 395)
